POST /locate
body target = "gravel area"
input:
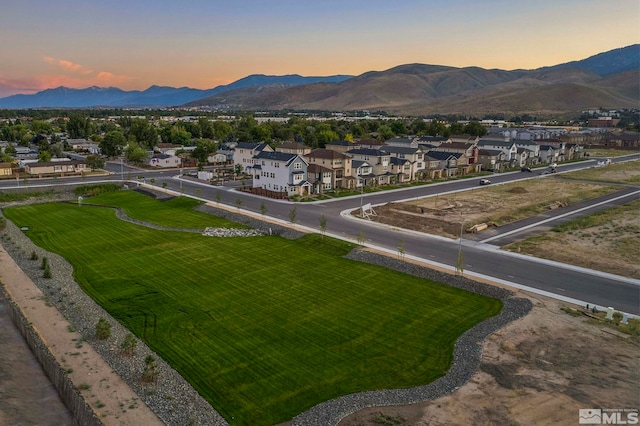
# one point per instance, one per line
(175, 401)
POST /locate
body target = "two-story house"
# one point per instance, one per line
(280, 172)
(447, 162)
(379, 161)
(245, 151)
(337, 162)
(508, 147)
(413, 154)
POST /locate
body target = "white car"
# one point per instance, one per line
(485, 182)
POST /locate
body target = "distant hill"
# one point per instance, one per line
(609, 79)
(154, 96)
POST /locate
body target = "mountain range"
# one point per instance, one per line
(608, 80)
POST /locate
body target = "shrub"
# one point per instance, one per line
(45, 263)
(103, 329)
(34, 255)
(47, 271)
(128, 346)
(150, 373)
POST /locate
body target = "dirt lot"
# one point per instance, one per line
(500, 204)
(497, 205)
(538, 370)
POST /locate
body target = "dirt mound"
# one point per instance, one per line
(518, 190)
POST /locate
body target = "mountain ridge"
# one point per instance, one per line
(607, 79)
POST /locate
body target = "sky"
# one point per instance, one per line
(133, 44)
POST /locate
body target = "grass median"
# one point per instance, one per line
(263, 327)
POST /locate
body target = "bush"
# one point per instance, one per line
(150, 373)
(47, 271)
(34, 255)
(45, 263)
(103, 329)
(128, 346)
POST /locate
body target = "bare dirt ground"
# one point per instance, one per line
(500, 204)
(538, 370)
(612, 247)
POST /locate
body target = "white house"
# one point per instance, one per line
(244, 152)
(280, 172)
(165, 161)
(509, 148)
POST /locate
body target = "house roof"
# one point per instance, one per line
(399, 161)
(54, 163)
(253, 146)
(432, 139)
(317, 168)
(326, 154)
(400, 149)
(485, 142)
(278, 156)
(456, 145)
(356, 164)
(489, 152)
(367, 151)
(341, 143)
(441, 155)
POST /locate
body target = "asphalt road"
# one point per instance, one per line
(480, 259)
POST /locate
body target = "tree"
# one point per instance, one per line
(10, 149)
(44, 156)
(323, 225)
(292, 214)
(203, 149)
(103, 329)
(135, 153)
(95, 162)
(113, 143)
(78, 126)
(263, 208)
(237, 169)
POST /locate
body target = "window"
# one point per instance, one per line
(297, 166)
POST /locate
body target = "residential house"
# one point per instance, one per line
(244, 152)
(320, 178)
(509, 147)
(218, 158)
(468, 162)
(532, 151)
(62, 168)
(431, 141)
(468, 139)
(447, 162)
(404, 142)
(548, 154)
(413, 154)
(368, 143)
(493, 160)
(622, 140)
(337, 162)
(364, 173)
(379, 161)
(280, 172)
(6, 169)
(401, 169)
(165, 161)
(293, 148)
(342, 146)
(83, 145)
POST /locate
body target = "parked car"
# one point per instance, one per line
(485, 182)
(525, 169)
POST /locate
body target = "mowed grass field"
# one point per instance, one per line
(263, 327)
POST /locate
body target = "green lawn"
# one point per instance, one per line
(264, 327)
